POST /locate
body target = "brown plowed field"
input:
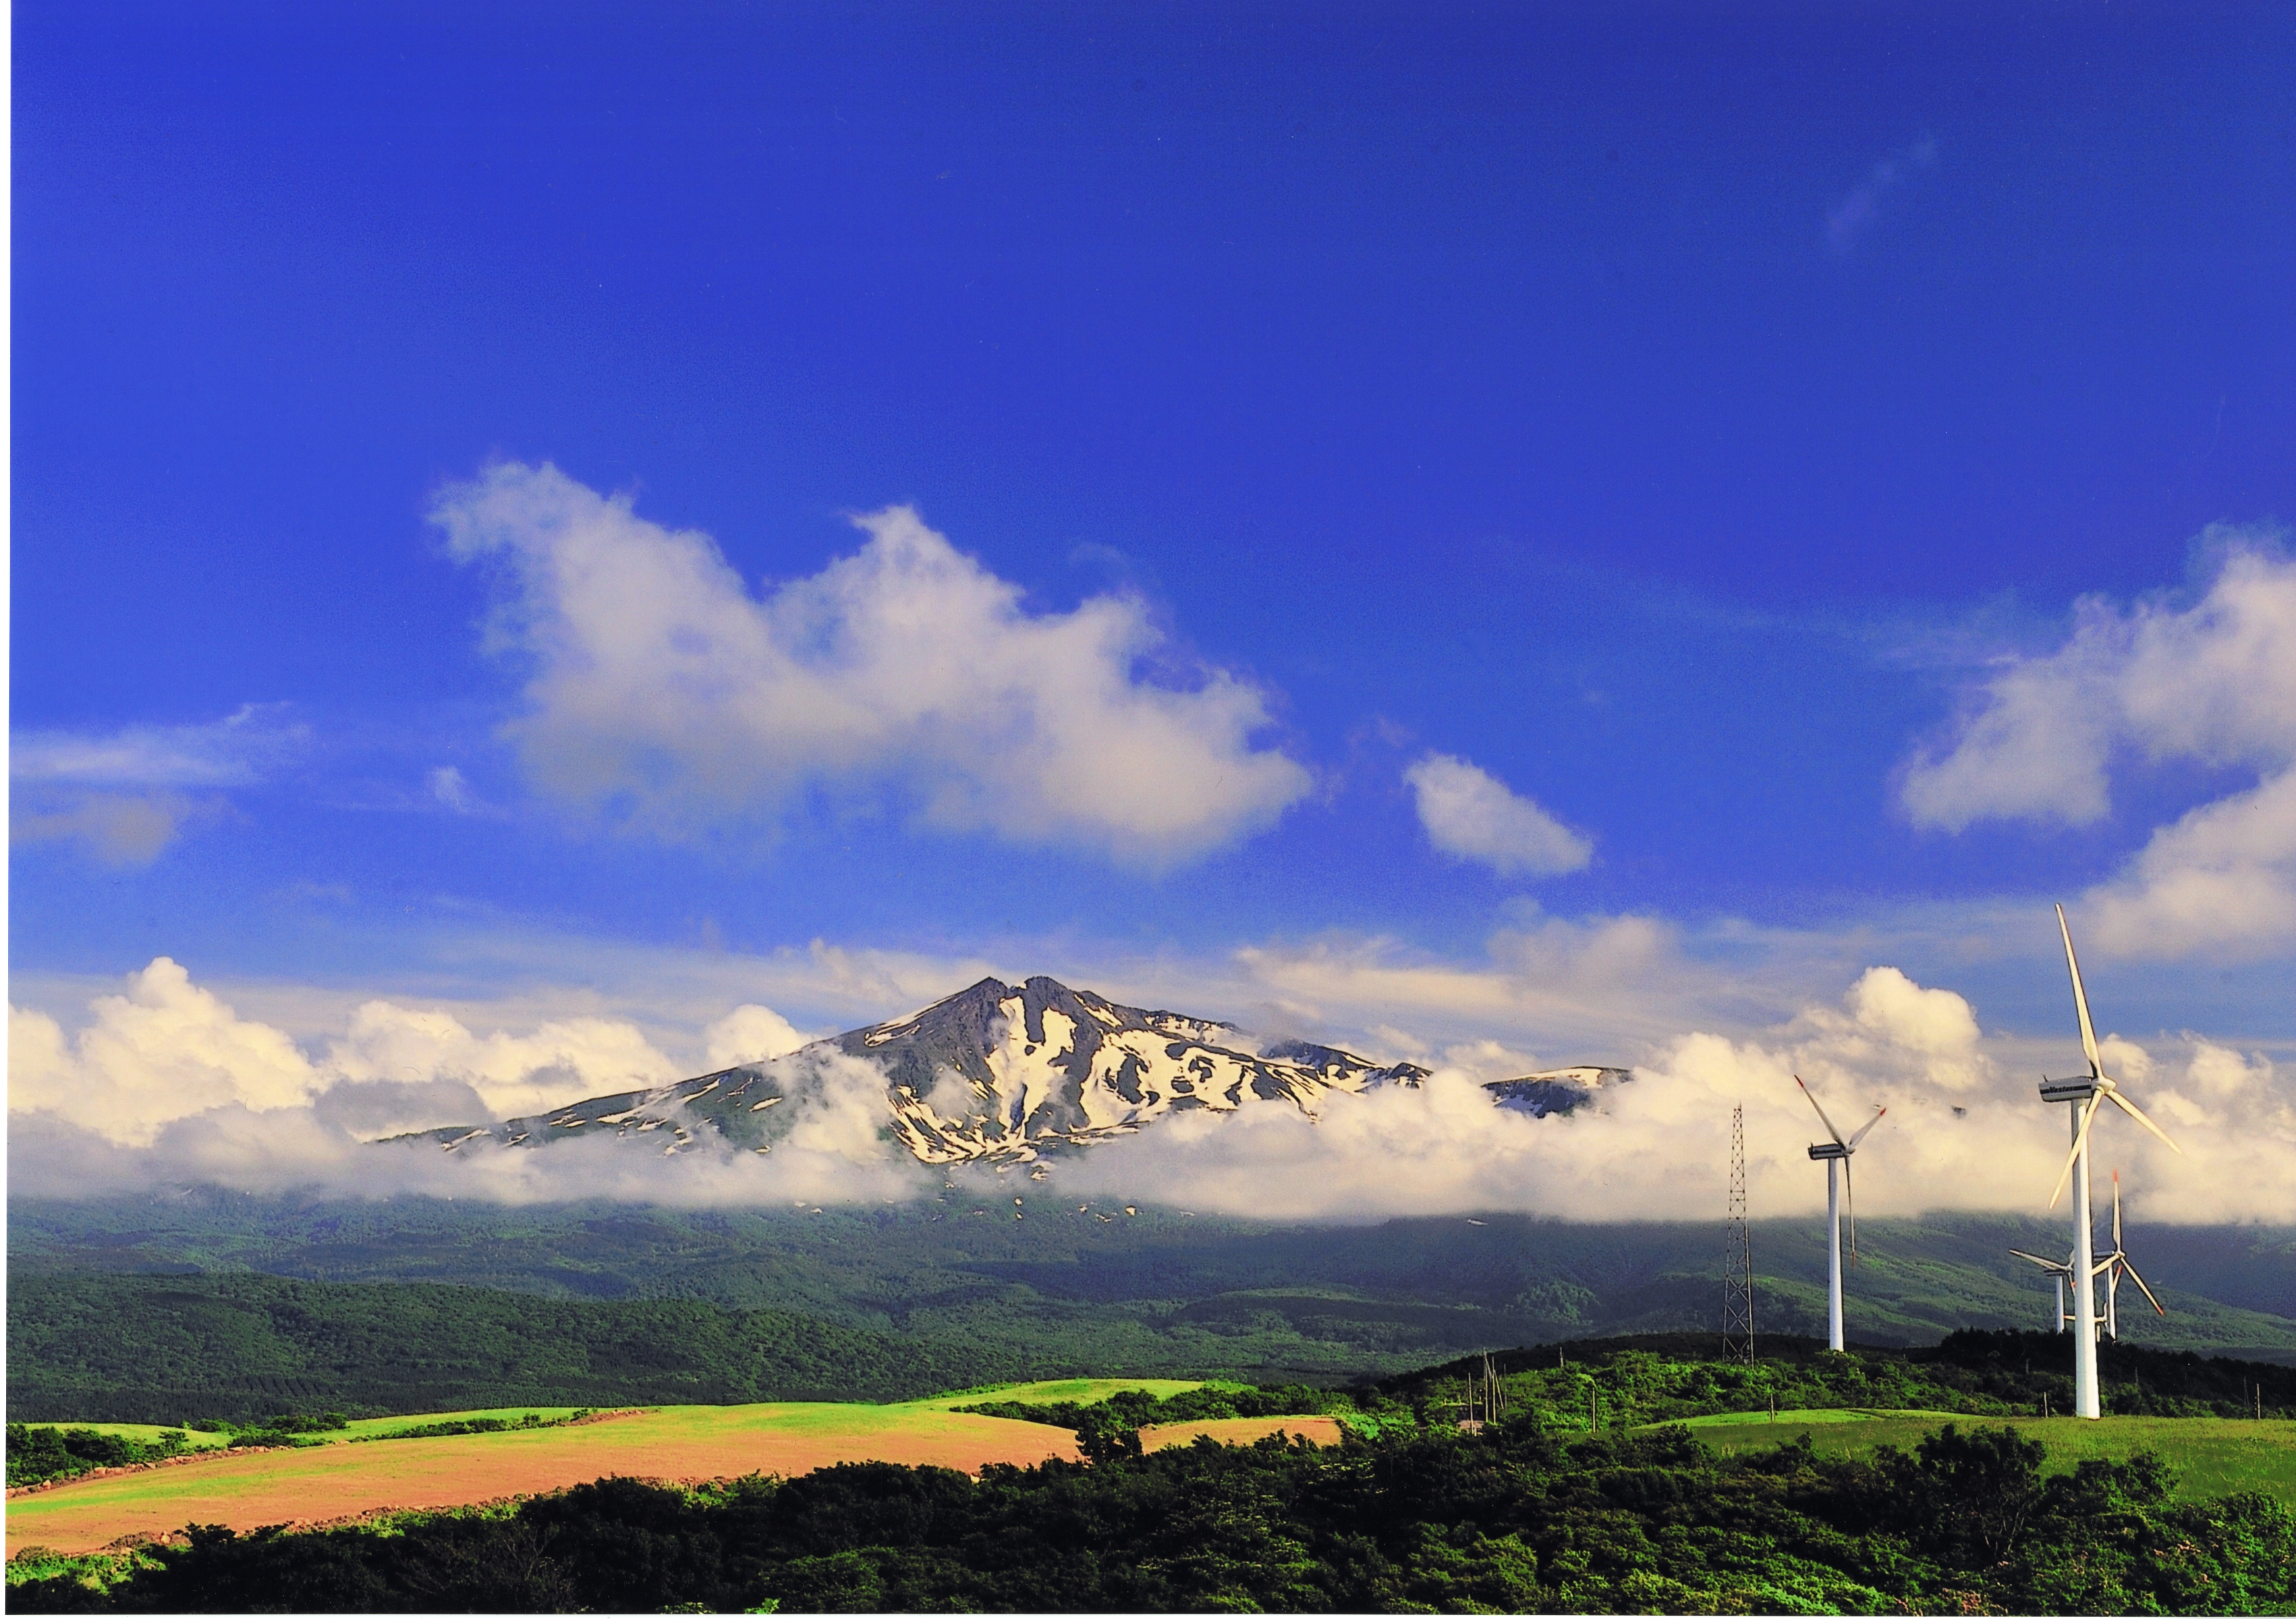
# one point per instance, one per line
(337, 1480)
(1240, 1430)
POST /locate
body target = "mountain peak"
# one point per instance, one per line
(1005, 1072)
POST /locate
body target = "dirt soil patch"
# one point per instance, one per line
(333, 1481)
(1240, 1430)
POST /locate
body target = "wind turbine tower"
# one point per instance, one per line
(2087, 1093)
(1835, 1154)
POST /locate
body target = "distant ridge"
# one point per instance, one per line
(1006, 1072)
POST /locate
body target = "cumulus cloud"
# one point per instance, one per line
(1891, 1023)
(662, 687)
(125, 796)
(166, 1082)
(2222, 875)
(750, 1034)
(2212, 681)
(1962, 1130)
(512, 1074)
(1655, 1146)
(1471, 814)
(164, 1050)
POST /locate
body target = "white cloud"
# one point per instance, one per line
(1655, 1146)
(660, 684)
(234, 751)
(1888, 1020)
(125, 796)
(164, 1050)
(2223, 875)
(2213, 682)
(1584, 990)
(1469, 813)
(1964, 1130)
(116, 828)
(750, 1034)
(167, 1083)
(513, 1074)
(167, 1050)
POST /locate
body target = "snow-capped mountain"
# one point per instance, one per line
(1554, 1090)
(1003, 1072)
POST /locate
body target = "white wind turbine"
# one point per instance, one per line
(2060, 1272)
(1836, 1154)
(2090, 1090)
(2113, 1265)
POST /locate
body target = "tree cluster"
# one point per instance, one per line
(38, 1454)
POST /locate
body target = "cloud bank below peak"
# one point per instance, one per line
(165, 1081)
(661, 689)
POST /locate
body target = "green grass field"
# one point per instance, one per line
(2212, 1455)
(145, 1433)
(1083, 1391)
(335, 1477)
(374, 1427)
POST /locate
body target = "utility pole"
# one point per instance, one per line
(1737, 1255)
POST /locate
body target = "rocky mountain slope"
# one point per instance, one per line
(1005, 1072)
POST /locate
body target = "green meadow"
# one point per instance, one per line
(1074, 1391)
(2212, 1456)
(149, 1433)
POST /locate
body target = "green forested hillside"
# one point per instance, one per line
(1165, 1292)
(168, 1349)
(242, 1347)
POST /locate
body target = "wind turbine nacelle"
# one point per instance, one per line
(1829, 1149)
(2068, 1091)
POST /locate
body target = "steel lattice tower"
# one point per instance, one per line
(1737, 1255)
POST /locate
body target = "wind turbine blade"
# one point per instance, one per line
(2116, 1210)
(2088, 1117)
(2080, 998)
(2141, 1287)
(1821, 1115)
(1852, 1143)
(2046, 1265)
(2138, 1113)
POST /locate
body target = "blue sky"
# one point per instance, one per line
(1552, 470)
